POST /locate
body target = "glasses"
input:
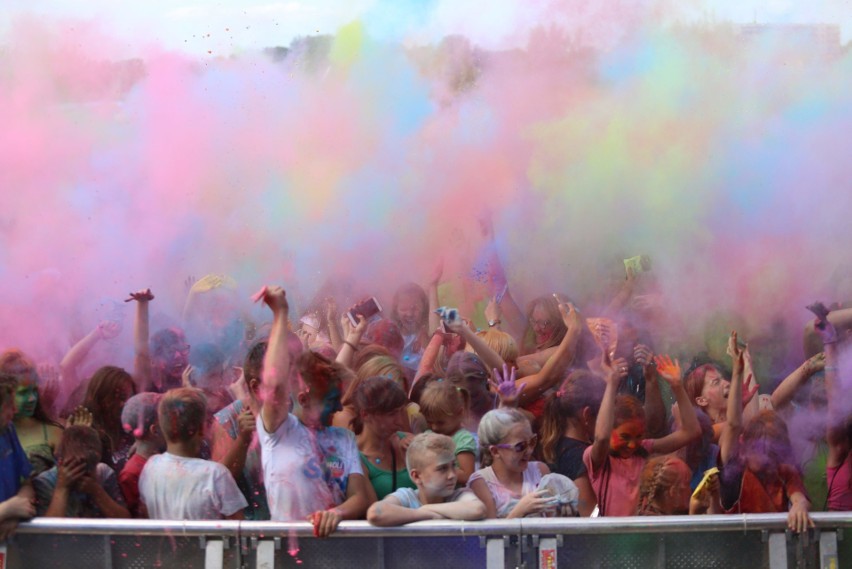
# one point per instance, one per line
(182, 350)
(521, 446)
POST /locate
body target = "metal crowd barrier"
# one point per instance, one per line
(725, 542)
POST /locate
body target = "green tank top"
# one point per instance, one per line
(382, 480)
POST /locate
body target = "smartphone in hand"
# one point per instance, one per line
(369, 309)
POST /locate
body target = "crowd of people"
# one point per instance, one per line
(415, 414)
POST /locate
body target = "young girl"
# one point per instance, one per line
(39, 434)
(106, 393)
(378, 403)
(512, 485)
(445, 406)
(616, 459)
(664, 487)
(568, 428)
(759, 474)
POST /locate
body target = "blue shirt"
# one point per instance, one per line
(14, 465)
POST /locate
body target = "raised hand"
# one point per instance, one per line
(246, 425)
(643, 355)
(669, 370)
(735, 350)
(330, 310)
(109, 329)
(144, 295)
(80, 416)
(570, 315)
(493, 311)
(504, 383)
(274, 297)
(186, 376)
(616, 370)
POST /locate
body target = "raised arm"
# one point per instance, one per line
(655, 409)
(689, 429)
(786, 390)
(275, 381)
(142, 374)
(837, 432)
(489, 357)
(434, 319)
(734, 420)
(353, 338)
(624, 295)
(606, 414)
(331, 318)
(557, 364)
(79, 351)
(430, 356)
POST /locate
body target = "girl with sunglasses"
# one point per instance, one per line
(511, 484)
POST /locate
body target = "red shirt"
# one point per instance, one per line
(128, 480)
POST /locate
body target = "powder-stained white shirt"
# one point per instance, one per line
(180, 488)
(306, 471)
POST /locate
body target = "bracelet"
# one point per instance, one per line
(351, 345)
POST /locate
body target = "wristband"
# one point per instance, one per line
(493, 323)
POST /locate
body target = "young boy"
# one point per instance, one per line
(80, 485)
(178, 485)
(16, 493)
(430, 460)
(311, 470)
(139, 417)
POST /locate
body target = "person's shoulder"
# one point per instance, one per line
(462, 495)
(339, 434)
(49, 476)
(484, 474)
(104, 472)
(406, 497)
(228, 412)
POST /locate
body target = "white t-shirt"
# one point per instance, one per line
(306, 471)
(409, 498)
(180, 488)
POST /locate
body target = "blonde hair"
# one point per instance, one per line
(444, 398)
(494, 427)
(441, 445)
(501, 342)
(660, 474)
(383, 366)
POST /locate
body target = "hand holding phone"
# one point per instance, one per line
(369, 309)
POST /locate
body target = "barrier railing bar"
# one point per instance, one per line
(349, 529)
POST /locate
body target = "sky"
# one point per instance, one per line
(226, 27)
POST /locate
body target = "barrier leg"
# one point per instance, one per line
(266, 554)
(495, 552)
(778, 551)
(214, 554)
(547, 548)
(828, 550)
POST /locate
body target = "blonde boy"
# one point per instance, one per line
(430, 460)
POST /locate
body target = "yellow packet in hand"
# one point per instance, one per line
(703, 484)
